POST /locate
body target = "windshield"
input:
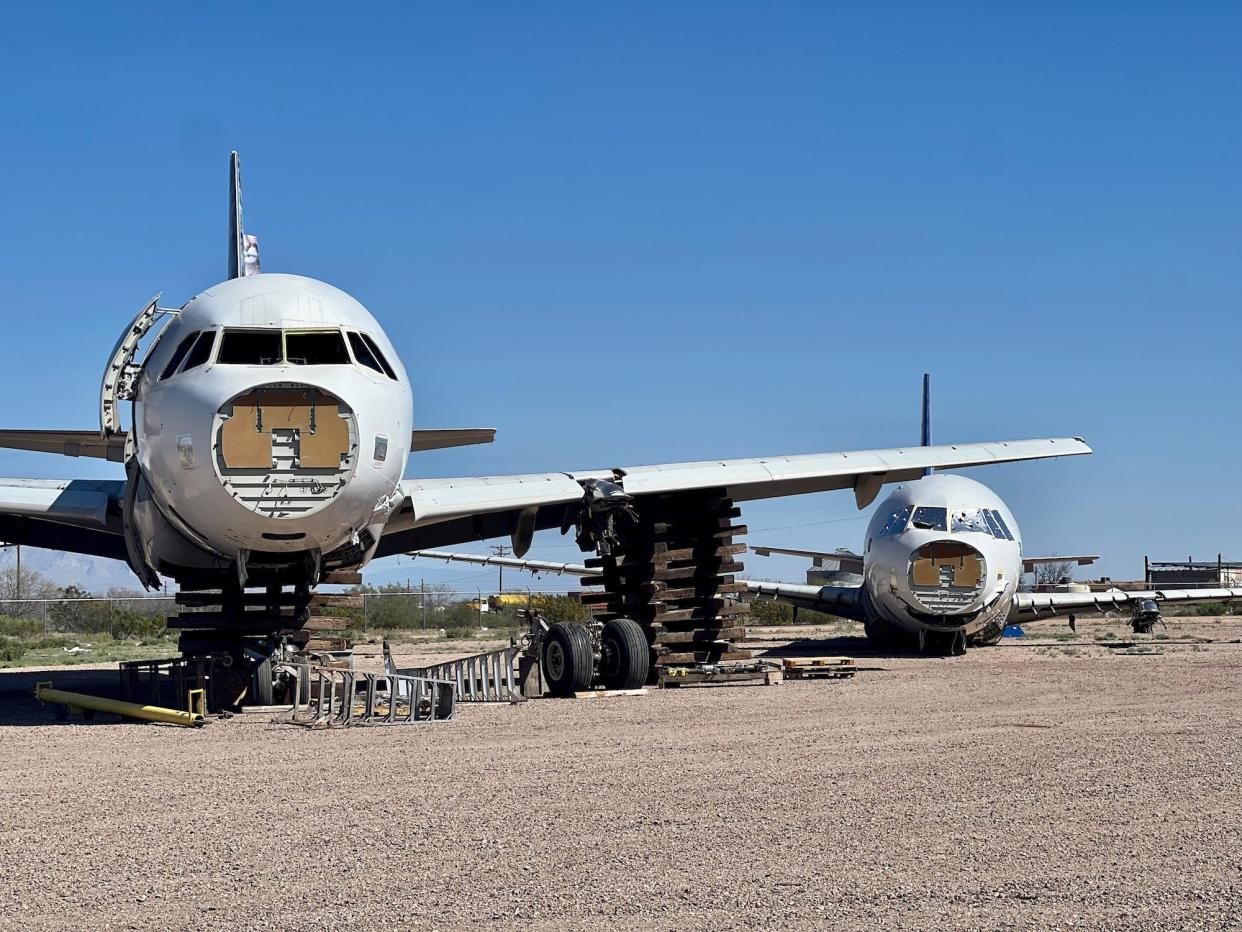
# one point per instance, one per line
(1001, 525)
(201, 352)
(971, 520)
(316, 348)
(896, 522)
(250, 347)
(929, 518)
(182, 348)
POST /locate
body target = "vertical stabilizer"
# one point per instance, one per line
(927, 436)
(237, 246)
(243, 246)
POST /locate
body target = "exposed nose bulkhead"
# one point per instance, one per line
(285, 450)
(947, 577)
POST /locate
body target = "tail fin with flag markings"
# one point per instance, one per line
(243, 247)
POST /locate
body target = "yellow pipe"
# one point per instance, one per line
(150, 713)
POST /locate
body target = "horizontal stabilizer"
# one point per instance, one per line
(442, 439)
(66, 443)
(813, 554)
(1029, 563)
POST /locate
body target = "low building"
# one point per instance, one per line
(1192, 574)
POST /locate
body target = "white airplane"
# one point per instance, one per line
(270, 431)
(942, 565)
(941, 569)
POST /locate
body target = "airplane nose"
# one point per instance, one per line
(285, 450)
(947, 577)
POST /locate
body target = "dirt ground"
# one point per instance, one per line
(1043, 784)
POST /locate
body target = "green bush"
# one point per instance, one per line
(557, 608)
(11, 650)
(770, 612)
(19, 627)
(1206, 609)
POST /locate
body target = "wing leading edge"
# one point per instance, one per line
(78, 516)
(443, 512)
(1029, 606)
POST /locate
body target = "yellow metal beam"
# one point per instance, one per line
(150, 713)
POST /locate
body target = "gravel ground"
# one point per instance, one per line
(1019, 787)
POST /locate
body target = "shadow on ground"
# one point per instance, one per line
(18, 705)
(842, 646)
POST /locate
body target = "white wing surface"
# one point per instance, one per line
(443, 512)
(77, 515)
(1028, 606)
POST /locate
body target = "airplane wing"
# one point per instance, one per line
(1029, 563)
(76, 515)
(90, 443)
(443, 438)
(842, 601)
(66, 443)
(812, 554)
(531, 566)
(1030, 606)
(443, 512)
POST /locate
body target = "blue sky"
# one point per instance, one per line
(633, 233)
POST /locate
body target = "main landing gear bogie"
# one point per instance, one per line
(576, 657)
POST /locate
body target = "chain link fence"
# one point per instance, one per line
(424, 608)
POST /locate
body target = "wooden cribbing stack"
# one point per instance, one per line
(313, 621)
(674, 572)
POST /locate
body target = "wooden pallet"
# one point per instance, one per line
(824, 668)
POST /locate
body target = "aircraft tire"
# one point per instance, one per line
(261, 683)
(626, 657)
(568, 659)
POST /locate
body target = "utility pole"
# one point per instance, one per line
(501, 551)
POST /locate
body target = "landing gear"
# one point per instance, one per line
(989, 636)
(625, 657)
(261, 683)
(575, 657)
(1146, 616)
(568, 659)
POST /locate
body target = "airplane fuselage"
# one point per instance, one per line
(942, 559)
(272, 424)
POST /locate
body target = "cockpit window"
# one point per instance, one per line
(363, 354)
(375, 351)
(929, 518)
(316, 348)
(973, 519)
(179, 354)
(250, 348)
(896, 522)
(201, 352)
(369, 355)
(1001, 525)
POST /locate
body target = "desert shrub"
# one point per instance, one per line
(557, 608)
(769, 612)
(1206, 609)
(11, 650)
(19, 627)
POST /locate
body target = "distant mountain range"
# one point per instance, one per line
(95, 574)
